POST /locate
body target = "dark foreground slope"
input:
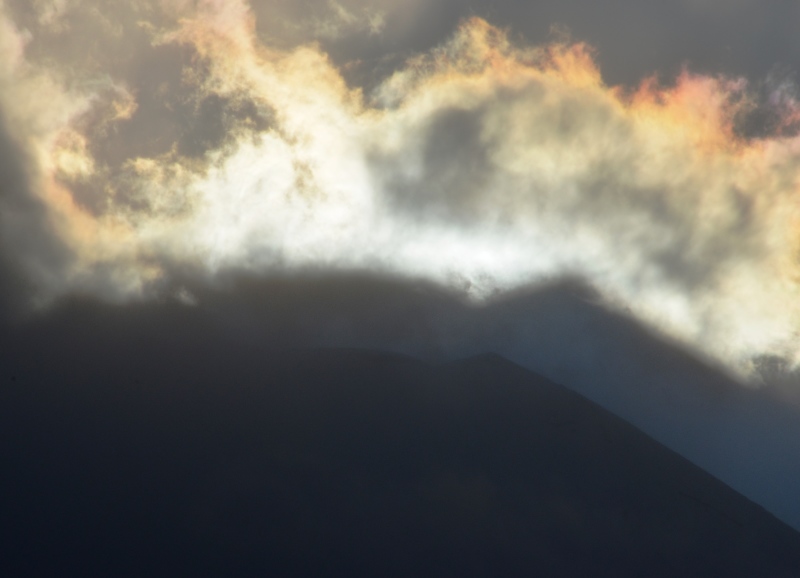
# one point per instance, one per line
(349, 463)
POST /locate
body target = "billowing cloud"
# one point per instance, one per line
(161, 138)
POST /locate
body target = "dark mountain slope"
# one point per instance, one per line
(748, 438)
(223, 460)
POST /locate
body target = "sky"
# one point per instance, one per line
(150, 151)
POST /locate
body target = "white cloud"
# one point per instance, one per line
(484, 166)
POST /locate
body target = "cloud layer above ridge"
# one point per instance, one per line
(164, 137)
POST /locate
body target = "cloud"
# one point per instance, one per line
(31, 111)
(177, 140)
(340, 20)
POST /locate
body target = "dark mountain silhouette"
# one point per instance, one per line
(749, 438)
(189, 452)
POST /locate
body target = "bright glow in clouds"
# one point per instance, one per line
(481, 165)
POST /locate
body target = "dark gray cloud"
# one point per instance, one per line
(30, 251)
(12, 195)
(633, 39)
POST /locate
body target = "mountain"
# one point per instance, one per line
(125, 457)
(747, 436)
